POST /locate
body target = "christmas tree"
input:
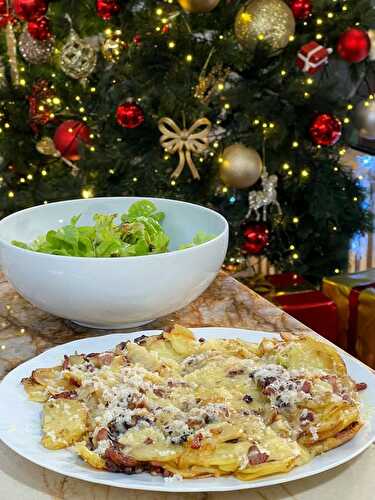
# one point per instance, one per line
(244, 107)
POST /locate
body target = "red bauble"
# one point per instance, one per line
(129, 115)
(28, 10)
(301, 9)
(68, 138)
(354, 45)
(137, 39)
(325, 130)
(256, 238)
(39, 28)
(107, 8)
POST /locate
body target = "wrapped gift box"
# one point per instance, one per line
(298, 298)
(354, 295)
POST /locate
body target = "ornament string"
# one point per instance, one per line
(12, 49)
(185, 142)
(47, 147)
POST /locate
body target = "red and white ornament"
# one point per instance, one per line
(39, 29)
(312, 57)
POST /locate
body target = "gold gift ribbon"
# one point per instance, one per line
(185, 142)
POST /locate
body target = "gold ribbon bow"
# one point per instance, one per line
(185, 142)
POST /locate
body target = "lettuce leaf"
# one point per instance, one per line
(139, 233)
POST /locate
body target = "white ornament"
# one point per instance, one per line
(264, 198)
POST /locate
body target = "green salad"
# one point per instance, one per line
(139, 233)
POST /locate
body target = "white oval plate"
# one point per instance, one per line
(20, 423)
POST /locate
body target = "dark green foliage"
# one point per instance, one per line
(130, 162)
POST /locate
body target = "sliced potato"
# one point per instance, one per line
(89, 456)
(64, 423)
(53, 379)
(182, 340)
(35, 391)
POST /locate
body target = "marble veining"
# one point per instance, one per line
(26, 331)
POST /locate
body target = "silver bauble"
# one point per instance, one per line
(364, 119)
(35, 51)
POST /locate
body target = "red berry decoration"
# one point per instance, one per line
(129, 115)
(325, 130)
(301, 9)
(354, 45)
(68, 138)
(107, 8)
(256, 238)
(39, 29)
(28, 10)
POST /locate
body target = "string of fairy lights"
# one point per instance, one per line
(163, 24)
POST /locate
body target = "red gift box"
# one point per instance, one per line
(299, 299)
(312, 57)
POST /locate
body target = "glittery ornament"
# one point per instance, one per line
(196, 6)
(35, 51)
(256, 238)
(129, 115)
(264, 198)
(325, 130)
(46, 147)
(301, 9)
(27, 10)
(354, 45)
(241, 166)
(364, 119)
(39, 29)
(112, 48)
(270, 21)
(208, 83)
(107, 8)
(68, 138)
(40, 109)
(78, 58)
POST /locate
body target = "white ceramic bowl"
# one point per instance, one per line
(113, 292)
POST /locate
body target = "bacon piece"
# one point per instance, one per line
(196, 442)
(332, 379)
(361, 386)
(234, 373)
(65, 395)
(306, 387)
(247, 398)
(102, 434)
(148, 440)
(66, 365)
(105, 359)
(119, 459)
(306, 417)
(159, 392)
(256, 457)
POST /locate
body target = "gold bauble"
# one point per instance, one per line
(78, 57)
(196, 6)
(371, 34)
(271, 21)
(364, 119)
(241, 166)
(112, 49)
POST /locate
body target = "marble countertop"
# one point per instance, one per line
(26, 331)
